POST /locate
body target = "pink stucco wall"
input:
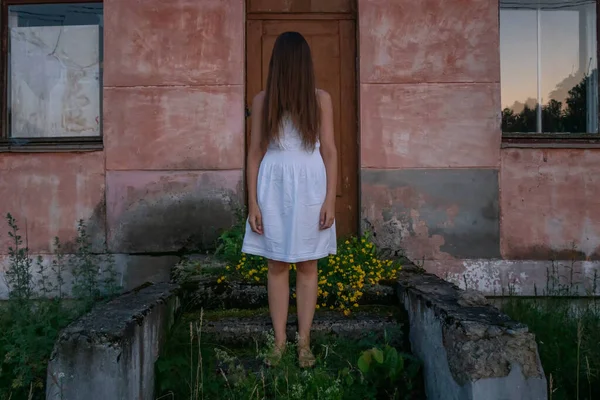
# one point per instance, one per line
(48, 194)
(429, 84)
(434, 180)
(550, 201)
(429, 73)
(173, 101)
(174, 86)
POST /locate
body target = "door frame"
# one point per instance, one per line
(250, 88)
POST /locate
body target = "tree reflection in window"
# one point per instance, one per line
(549, 57)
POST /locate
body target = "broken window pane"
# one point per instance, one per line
(54, 70)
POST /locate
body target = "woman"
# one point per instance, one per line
(291, 175)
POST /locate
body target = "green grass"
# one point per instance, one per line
(196, 366)
(568, 343)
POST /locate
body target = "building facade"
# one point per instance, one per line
(133, 116)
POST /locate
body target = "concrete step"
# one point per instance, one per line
(205, 292)
(373, 323)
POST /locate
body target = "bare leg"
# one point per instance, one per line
(306, 298)
(278, 287)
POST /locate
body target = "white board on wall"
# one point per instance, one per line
(54, 81)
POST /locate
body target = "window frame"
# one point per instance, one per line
(551, 139)
(38, 144)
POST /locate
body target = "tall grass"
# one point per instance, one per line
(568, 337)
(197, 366)
(37, 309)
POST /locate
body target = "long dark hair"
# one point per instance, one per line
(291, 89)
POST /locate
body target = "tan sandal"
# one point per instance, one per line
(274, 357)
(306, 358)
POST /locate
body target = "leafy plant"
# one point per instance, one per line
(195, 366)
(385, 369)
(19, 275)
(567, 342)
(342, 277)
(229, 243)
(37, 309)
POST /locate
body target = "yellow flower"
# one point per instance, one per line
(355, 304)
(317, 306)
(346, 312)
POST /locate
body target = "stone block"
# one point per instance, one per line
(206, 293)
(48, 193)
(184, 42)
(110, 352)
(469, 349)
(175, 128)
(170, 211)
(240, 331)
(550, 202)
(406, 41)
(496, 277)
(430, 126)
(433, 214)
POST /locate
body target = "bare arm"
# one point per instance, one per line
(255, 156)
(329, 154)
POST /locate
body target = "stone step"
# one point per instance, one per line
(205, 292)
(233, 330)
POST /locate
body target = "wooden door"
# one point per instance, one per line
(333, 47)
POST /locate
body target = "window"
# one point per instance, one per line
(549, 66)
(52, 67)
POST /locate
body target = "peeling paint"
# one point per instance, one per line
(520, 277)
(433, 214)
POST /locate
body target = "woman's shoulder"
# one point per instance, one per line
(324, 98)
(323, 95)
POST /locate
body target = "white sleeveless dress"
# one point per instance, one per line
(291, 188)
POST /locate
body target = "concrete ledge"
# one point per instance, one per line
(469, 349)
(110, 352)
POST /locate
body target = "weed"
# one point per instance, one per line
(567, 337)
(37, 309)
(342, 277)
(196, 366)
